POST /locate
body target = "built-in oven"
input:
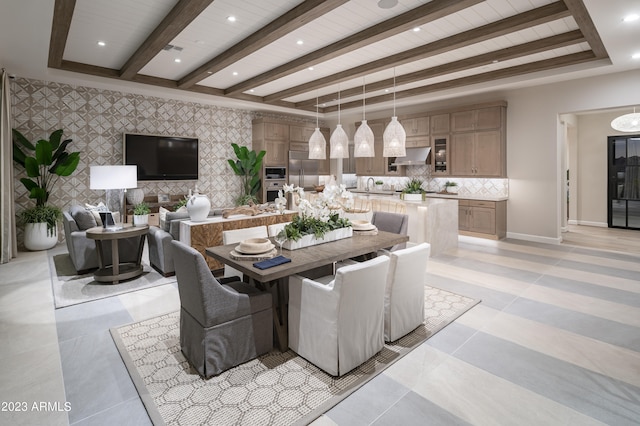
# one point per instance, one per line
(272, 186)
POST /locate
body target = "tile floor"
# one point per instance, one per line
(556, 340)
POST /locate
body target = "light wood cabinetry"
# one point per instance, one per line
(373, 166)
(440, 154)
(477, 154)
(324, 166)
(487, 219)
(272, 137)
(417, 130)
(300, 133)
(477, 119)
(277, 153)
(440, 124)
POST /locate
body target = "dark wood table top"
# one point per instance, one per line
(308, 258)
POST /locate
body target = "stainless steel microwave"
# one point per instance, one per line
(275, 173)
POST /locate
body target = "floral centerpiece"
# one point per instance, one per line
(318, 220)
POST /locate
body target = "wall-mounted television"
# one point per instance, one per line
(162, 157)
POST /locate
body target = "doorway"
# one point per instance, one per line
(624, 181)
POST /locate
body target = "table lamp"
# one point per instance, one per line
(114, 180)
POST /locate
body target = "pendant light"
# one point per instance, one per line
(339, 142)
(317, 142)
(363, 140)
(394, 136)
(627, 122)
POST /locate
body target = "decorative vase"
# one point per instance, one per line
(311, 240)
(135, 196)
(198, 207)
(37, 238)
(140, 219)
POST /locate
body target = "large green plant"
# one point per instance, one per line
(248, 166)
(45, 162)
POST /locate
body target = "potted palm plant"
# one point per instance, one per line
(44, 162)
(141, 214)
(248, 165)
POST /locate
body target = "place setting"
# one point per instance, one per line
(363, 227)
(262, 251)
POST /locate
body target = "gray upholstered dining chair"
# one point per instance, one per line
(391, 222)
(221, 326)
(404, 294)
(337, 322)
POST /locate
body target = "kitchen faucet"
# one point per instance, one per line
(370, 179)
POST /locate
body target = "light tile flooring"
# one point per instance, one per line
(556, 340)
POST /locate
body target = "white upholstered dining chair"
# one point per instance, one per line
(404, 294)
(337, 322)
(237, 235)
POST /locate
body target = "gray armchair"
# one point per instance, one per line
(391, 222)
(82, 250)
(221, 326)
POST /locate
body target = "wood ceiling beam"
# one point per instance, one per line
(530, 48)
(283, 25)
(421, 15)
(62, 14)
(182, 14)
(547, 64)
(544, 14)
(582, 18)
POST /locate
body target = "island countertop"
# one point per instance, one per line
(396, 194)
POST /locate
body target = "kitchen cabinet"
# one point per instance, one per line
(477, 119)
(324, 166)
(276, 131)
(272, 137)
(439, 124)
(417, 130)
(477, 154)
(349, 164)
(300, 134)
(487, 219)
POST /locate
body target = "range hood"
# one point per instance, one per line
(414, 157)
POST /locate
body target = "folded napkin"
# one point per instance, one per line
(270, 263)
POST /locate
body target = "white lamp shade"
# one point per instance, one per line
(627, 123)
(339, 143)
(317, 146)
(363, 141)
(113, 177)
(394, 138)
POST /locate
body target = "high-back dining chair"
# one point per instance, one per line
(404, 295)
(337, 322)
(275, 228)
(391, 222)
(237, 235)
(221, 326)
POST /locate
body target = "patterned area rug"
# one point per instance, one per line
(69, 288)
(275, 389)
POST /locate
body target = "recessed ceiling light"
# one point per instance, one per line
(636, 56)
(177, 60)
(251, 90)
(310, 68)
(209, 72)
(632, 17)
(416, 29)
(300, 42)
(495, 61)
(200, 42)
(324, 105)
(387, 4)
(235, 73)
(386, 90)
(231, 18)
(102, 43)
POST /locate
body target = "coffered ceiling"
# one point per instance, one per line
(288, 53)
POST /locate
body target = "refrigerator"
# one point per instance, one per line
(302, 171)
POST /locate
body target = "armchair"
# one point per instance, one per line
(391, 222)
(404, 295)
(82, 250)
(221, 326)
(337, 323)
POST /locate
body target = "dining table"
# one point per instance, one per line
(303, 260)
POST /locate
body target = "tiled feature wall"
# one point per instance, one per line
(96, 119)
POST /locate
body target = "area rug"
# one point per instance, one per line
(69, 288)
(275, 389)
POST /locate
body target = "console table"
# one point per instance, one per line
(117, 271)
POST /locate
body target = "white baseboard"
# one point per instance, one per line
(534, 238)
(597, 224)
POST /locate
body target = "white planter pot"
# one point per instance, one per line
(311, 240)
(198, 207)
(36, 237)
(413, 197)
(140, 219)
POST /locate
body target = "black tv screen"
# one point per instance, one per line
(162, 157)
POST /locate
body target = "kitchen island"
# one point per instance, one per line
(434, 220)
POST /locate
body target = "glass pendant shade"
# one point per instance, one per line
(339, 143)
(394, 138)
(627, 122)
(363, 145)
(317, 146)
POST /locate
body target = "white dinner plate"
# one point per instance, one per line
(254, 250)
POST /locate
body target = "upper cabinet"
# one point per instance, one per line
(476, 119)
(417, 130)
(300, 133)
(324, 166)
(272, 137)
(373, 166)
(440, 124)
